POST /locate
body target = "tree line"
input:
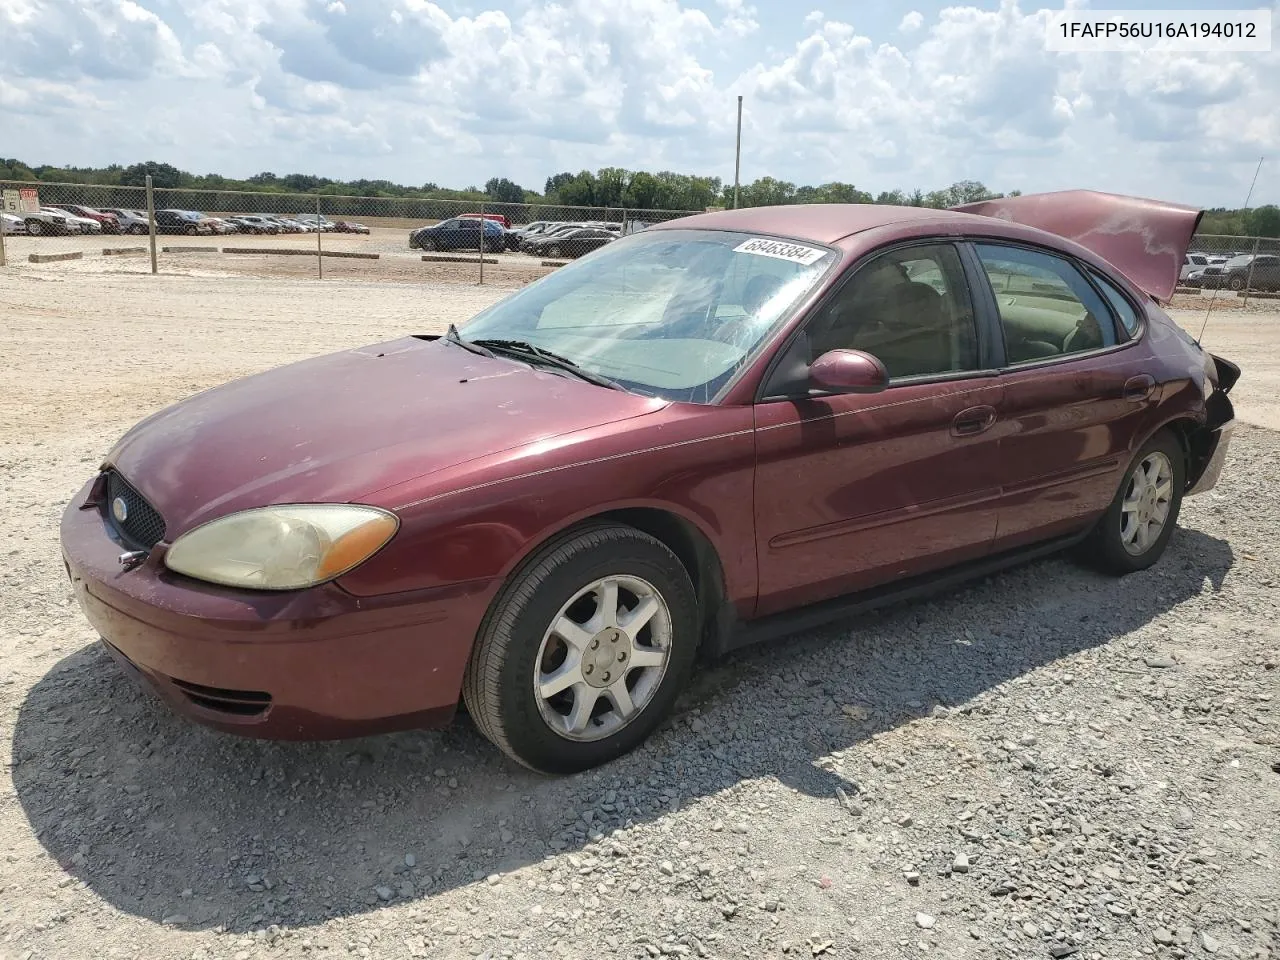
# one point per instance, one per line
(608, 187)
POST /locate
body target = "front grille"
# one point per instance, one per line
(240, 703)
(142, 524)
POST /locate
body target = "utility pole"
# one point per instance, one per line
(737, 155)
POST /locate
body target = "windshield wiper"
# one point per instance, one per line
(528, 351)
(454, 337)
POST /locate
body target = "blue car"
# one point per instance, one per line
(460, 233)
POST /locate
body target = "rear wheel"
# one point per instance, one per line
(554, 251)
(35, 228)
(138, 229)
(584, 651)
(1236, 283)
(1135, 530)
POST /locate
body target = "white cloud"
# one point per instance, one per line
(404, 89)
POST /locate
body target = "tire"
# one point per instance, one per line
(554, 251)
(138, 229)
(429, 244)
(35, 228)
(1236, 283)
(516, 645)
(191, 231)
(1106, 547)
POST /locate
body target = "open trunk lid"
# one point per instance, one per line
(1146, 240)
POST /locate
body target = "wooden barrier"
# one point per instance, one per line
(436, 258)
(53, 257)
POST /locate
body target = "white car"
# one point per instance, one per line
(11, 225)
(84, 224)
(46, 222)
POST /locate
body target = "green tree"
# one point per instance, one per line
(504, 191)
(1263, 221)
(162, 175)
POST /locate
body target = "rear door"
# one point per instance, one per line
(1078, 391)
(855, 491)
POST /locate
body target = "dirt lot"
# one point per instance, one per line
(1048, 763)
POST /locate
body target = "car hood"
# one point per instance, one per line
(1146, 240)
(342, 426)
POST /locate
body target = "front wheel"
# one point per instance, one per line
(1236, 283)
(584, 652)
(1133, 533)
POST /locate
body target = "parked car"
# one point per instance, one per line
(187, 222)
(316, 221)
(46, 221)
(283, 224)
(81, 224)
(1258, 272)
(217, 225)
(131, 221)
(702, 436)
(570, 243)
(107, 222)
(552, 231)
(12, 225)
(346, 226)
(460, 233)
(257, 225)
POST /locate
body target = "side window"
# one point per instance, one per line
(1123, 308)
(910, 308)
(1047, 308)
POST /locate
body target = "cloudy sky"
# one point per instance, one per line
(879, 94)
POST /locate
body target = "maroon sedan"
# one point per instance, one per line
(717, 430)
(110, 222)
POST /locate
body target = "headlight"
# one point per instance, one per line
(282, 548)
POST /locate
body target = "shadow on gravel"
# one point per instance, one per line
(174, 823)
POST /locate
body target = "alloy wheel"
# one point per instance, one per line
(603, 658)
(1145, 508)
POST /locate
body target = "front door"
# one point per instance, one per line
(855, 491)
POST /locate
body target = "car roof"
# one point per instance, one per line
(816, 222)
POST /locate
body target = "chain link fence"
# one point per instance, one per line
(56, 221)
(270, 233)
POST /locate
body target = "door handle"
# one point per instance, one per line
(1139, 388)
(973, 421)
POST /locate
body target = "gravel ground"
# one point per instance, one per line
(1048, 763)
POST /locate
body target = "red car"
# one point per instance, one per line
(110, 222)
(723, 428)
(497, 218)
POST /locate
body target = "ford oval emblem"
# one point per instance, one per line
(120, 509)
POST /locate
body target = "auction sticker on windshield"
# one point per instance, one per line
(780, 250)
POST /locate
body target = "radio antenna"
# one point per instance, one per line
(1214, 299)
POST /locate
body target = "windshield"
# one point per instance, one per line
(671, 314)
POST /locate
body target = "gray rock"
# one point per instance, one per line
(960, 864)
(1210, 943)
(384, 893)
(1162, 936)
(409, 859)
(1030, 929)
(924, 921)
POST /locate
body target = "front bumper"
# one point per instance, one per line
(315, 664)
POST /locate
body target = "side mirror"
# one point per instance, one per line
(848, 371)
